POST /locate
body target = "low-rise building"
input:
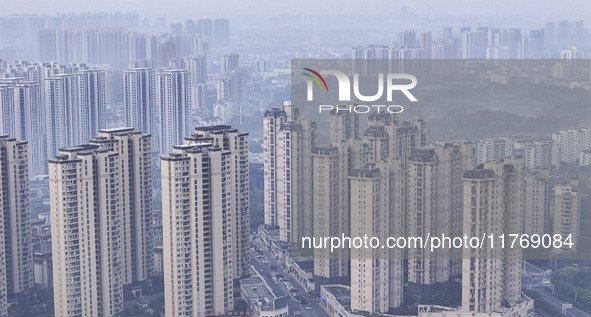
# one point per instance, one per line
(158, 259)
(43, 269)
(261, 298)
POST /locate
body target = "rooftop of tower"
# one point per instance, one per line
(422, 155)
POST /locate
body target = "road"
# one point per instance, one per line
(294, 304)
(533, 279)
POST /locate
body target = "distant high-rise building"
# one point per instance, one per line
(537, 199)
(190, 27)
(176, 28)
(344, 127)
(141, 47)
(223, 110)
(563, 34)
(288, 140)
(407, 39)
(205, 29)
(22, 116)
(139, 97)
(539, 154)
(172, 103)
(231, 87)
(492, 204)
(426, 43)
(474, 43)
(565, 212)
(496, 148)
(166, 52)
(86, 229)
(110, 47)
(205, 187)
(197, 66)
(46, 45)
(578, 33)
(199, 98)
(75, 105)
(446, 33)
(568, 144)
(538, 36)
(15, 250)
(221, 33)
(230, 62)
(135, 184)
(550, 32)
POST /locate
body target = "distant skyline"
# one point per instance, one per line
(183, 9)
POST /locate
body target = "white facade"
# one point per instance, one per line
(536, 216)
(198, 236)
(585, 158)
(434, 207)
(539, 154)
(205, 220)
(74, 105)
(493, 198)
(22, 116)
(288, 141)
(570, 143)
(496, 148)
(565, 211)
(139, 99)
(135, 168)
(224, 111)
(85, 200)
(172, 101)
(237, 143)
(16, 267)
(376, 274)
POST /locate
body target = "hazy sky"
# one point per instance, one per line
(533, 10)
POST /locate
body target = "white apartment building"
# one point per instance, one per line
(198, 230)
(565, 211)
(434, 207)
(288, 141)
(139, 97)
(172, 102)
(86, 201)
(492, 201)
(16, 267)
(74, 105)
(205, 220)
(135, 168)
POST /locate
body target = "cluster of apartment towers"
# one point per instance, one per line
(389, 181)
(386, 182)
(101, 221)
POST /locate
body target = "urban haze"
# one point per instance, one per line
(170, 159)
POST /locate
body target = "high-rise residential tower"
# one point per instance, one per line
(288, 140)
(172, 101)
(492, 204)
(205, 217)
(135, 169)
(434, 206)
(236, 142)
(15, 246)
(86, 228)
(22, 116)
(139, 97)
(75, 104)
